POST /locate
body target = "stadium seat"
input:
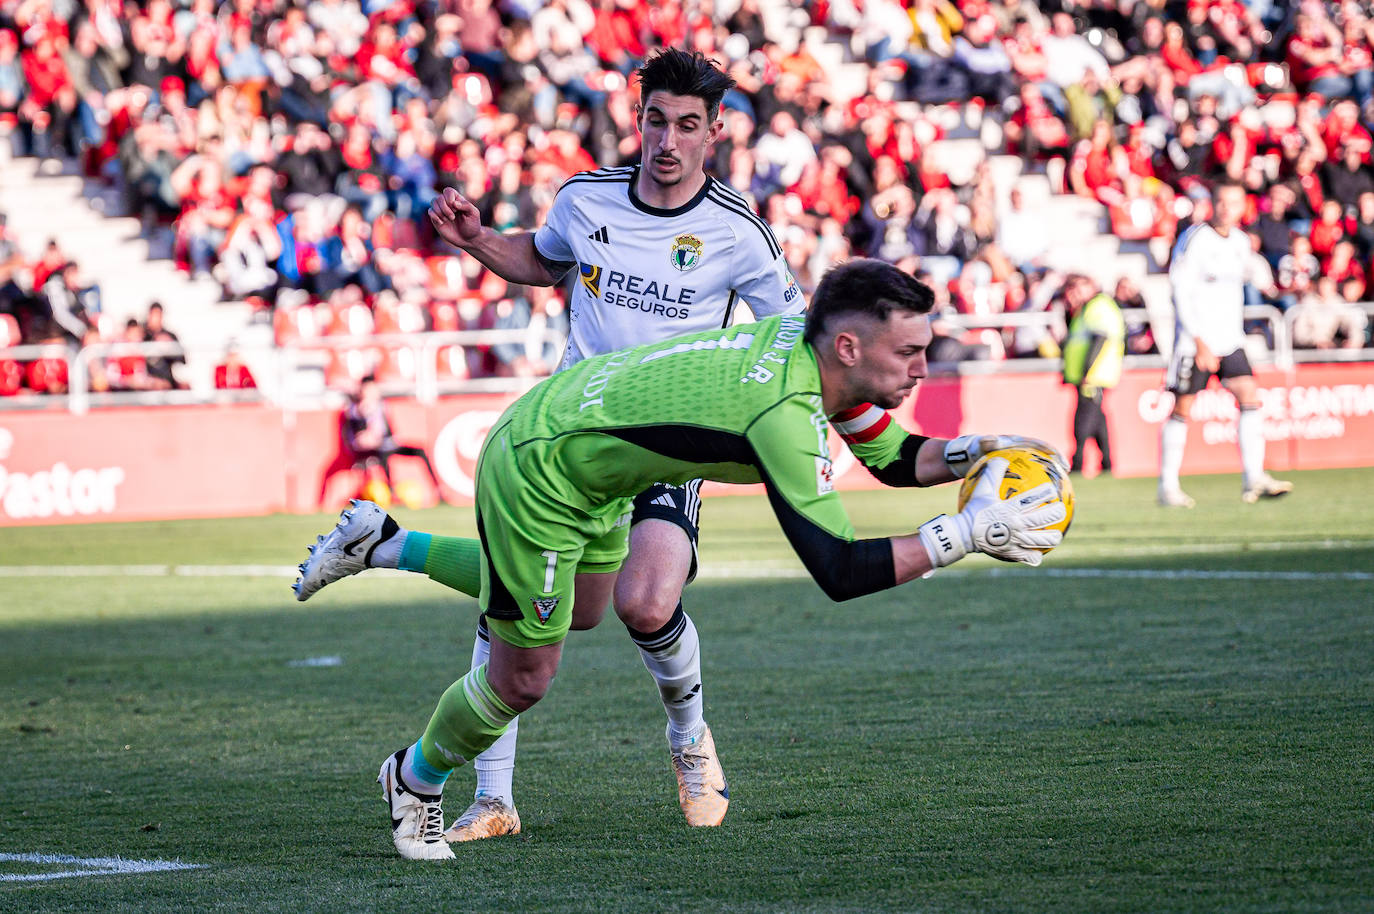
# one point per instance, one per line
(11, 377)
(399, 317)
(398, 365)
(452, 363)
(47, 375)
(346, 367)
(352, 319)
(444, 314)
(445, 277)
(294, 325)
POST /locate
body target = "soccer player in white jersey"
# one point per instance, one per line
(1211, 263)
(660, 249)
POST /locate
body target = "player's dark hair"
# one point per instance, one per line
(680, 72)
(870, 287)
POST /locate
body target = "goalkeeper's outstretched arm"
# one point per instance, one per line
(1011, 529)
(896, 457)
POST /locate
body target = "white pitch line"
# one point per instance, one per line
(1190, 574)
(784, 570)
(88, 866)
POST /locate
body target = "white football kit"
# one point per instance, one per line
(646, 274)
(1208, 272)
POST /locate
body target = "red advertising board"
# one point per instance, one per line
(168, 462)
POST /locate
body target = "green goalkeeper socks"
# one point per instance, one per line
(469, 718)
(453, 561)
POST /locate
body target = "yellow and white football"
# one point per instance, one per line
(1026, 469)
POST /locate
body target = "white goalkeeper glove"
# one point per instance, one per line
(963, 452)
(1012, 530)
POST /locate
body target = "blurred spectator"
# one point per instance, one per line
(163, 370)
(1350, 277)
(1362, 232)
(1140, 339)
(946, 239)
(1070, 56)
(1324, 320)
(1346, 178)
(1272, 225)
(368, 435)
(250, 246)
(1328, 229)
(232, 373)
(71, 306)
(1296, 272)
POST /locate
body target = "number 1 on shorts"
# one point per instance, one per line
(549, 569)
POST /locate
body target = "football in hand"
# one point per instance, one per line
(1026, 469)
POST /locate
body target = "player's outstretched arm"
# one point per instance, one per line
(512, 257)
(898, 458)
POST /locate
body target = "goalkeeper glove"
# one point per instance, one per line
(1011, 530)
(963, 452)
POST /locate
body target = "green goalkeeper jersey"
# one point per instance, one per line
(737, 405)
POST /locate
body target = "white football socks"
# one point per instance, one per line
(673, 657)
(387, 553)
(1250, 436)
(1172, 439)
(496, 766)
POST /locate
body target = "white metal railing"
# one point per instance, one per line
(427, 346)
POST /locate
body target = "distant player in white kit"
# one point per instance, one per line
(1211, 263)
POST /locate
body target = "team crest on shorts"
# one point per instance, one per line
(686, 252)
(544, 607)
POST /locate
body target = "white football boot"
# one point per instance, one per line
(417, 820)
(1266, 487)
(345, 549)
(1175, 498)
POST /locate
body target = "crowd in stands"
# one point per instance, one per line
(293, 147)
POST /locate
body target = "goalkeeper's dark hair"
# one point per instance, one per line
(872, 288)
(680, 72)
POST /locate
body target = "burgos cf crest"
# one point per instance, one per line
(686, 252)
(544, 607)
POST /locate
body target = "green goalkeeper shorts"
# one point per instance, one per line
(534, 546)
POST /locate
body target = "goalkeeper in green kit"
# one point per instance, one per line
(747, 404)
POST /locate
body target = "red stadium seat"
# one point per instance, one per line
(11, 377)
(445, 316)
(347, 367)
(451, 363)
(48, 375)
(445, 276)
(293, 325)
(354, 319)
(399, 365)
(400, 317)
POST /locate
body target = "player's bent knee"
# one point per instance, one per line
(521, 689)
(646, 608)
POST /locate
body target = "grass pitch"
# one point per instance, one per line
(1175, 713)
